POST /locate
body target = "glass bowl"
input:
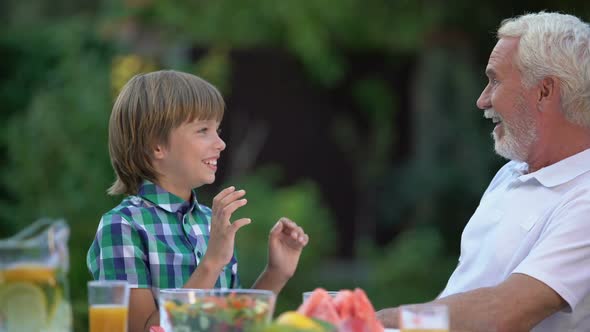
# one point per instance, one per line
(215, 310)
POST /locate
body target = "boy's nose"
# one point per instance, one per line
(220, 144)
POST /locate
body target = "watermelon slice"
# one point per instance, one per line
(365, 311)
(319, 305)
(353, 324)
(350, 311)
(344, 304)
(312, 301)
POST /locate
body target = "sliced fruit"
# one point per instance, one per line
(29, 273)
(62, 318)
(297, 320)
(320, 305)
(344, 304)
(23, 307)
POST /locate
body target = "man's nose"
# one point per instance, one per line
(484, 100)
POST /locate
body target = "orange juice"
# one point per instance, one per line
(108, 318)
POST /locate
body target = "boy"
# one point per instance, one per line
(163, 143)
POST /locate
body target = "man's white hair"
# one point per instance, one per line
(554, 44)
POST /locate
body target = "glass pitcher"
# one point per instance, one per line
(33, 285)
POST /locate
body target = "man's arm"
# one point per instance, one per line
(518, 304)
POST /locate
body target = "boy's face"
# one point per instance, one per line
(189, 160)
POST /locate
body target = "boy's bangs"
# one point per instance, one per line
(197, 100)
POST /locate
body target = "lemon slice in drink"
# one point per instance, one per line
(29, 273)
(23, 307)
(61, 320)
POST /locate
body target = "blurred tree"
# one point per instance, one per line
(452, 158)
(57, 159)
(369, 153)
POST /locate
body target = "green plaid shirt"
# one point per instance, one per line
(154, 240)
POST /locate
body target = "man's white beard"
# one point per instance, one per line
(519, 135)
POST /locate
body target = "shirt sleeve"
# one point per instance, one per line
(117, 253)
(234, 277)
(561, 256)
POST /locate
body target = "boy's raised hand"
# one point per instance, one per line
(221, 241)
(286, 241)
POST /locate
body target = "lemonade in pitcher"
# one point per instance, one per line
(33, 285)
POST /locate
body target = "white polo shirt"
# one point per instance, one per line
(536, 224)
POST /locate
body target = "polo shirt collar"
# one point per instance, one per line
(560, 172)
(166, 200)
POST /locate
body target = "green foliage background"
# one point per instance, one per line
(57, 83)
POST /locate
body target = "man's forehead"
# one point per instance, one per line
(503, 55)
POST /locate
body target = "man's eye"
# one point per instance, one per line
(494, 81)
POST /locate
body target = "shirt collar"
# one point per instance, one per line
(561, 172)
(166, 200)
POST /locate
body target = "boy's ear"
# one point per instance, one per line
(158, 151)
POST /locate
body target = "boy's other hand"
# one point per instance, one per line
(221, 242)
(286, 241)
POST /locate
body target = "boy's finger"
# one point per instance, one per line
(236, 225)
(288, 226)
(231, 197)
(277, 228)
(304, 240)
(222, 194)
(288, 222)
(229, 209)
(295, 232)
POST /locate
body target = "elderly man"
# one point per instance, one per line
(525, 253)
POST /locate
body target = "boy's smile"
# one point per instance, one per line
(212, 163)
(189, 159)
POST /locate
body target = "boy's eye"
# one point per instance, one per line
(218, 131)
(202, 130)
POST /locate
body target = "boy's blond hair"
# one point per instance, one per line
(145, 112)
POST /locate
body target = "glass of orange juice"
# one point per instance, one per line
(424, 318)
(108, 302)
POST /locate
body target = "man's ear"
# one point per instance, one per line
(548, 93)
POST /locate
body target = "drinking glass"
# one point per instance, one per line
(108, 305)
(424, 318)
(306, 295)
